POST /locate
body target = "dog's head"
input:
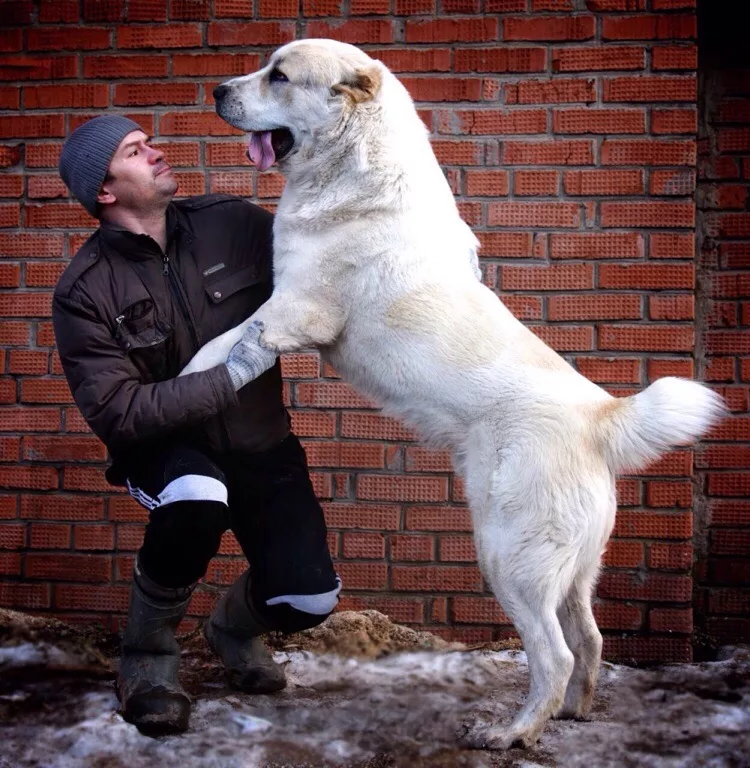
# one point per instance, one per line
(298, 96)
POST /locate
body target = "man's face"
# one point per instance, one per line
(139, 178)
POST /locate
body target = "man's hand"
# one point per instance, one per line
(248, 359)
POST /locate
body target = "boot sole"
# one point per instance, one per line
(158, 714)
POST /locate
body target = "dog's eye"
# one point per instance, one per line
(277, 76)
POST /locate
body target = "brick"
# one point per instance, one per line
(599, 307)
(414, 60)
(555, 91)
(646, 276)
(354, 31)
(580, 121)
(12, 535)
(664, 245)
(548, 153)
(194, 124)
(533, 182)
(490, 122)
(68, 96)
(600, 182)
(371, 576)
(49, 536)
(413, 548)
(648, 152)
(565, 339)
(610, 370)
(674, 57)
(499, 60)
(226, 34)
(618, 616)
(528, 214)
(321, 7)
(548, 28)
(478, 610)
(29, 477)
(401, 488)
(670, 557)
(374, 427)
(555, 277)
(329, 395)
(436, 578)
(671, 307)
(189, 9)
(468, 30)
(665, 121)
(650, 525)
(650, 27)
(16, 595)
(9, 156)
(729, 484)
(644, 338)
(364, 546)
(486, 183)
(137, 94)
(598, 58)
(66, 567)
(648, 214)
(506, 244)
(67, 38)
(596, 245)
(438, 89)
(91, 598)
(83, 478)
(645, 88)
(457, 549)
(438, 519)
(623, 554)
(63, 448)
(458, 152)
(654, 588)
(365, 516)
(159, 37)
(31, 126)
(671, 620)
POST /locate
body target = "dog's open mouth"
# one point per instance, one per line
(266, 147)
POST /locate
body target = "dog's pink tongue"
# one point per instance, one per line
(261, 150)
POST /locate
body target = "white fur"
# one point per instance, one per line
(374, 266)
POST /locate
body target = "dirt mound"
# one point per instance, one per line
(368, 634)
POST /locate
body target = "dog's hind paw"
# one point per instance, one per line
(488, 736)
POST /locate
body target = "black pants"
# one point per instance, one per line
(266, 499)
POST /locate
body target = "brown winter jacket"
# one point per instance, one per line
(128, 318)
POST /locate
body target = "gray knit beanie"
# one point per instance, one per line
(87, 153)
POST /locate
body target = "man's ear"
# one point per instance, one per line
(363, 85)
(105, 197)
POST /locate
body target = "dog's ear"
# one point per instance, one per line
(363, 85)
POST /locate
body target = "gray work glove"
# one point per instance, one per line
(247, 358)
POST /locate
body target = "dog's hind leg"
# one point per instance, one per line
(585, 641)
(532, 611)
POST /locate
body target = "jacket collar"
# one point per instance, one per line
(140, 247)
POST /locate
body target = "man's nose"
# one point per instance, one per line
(220, 91)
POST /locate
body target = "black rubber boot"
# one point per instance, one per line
(148, 684)
(232, 632)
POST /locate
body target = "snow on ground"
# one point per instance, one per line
(400, 701)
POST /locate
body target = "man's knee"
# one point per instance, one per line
(293, 613)
(185, 529)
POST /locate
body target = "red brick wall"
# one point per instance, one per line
(723, 237)
(567, 131)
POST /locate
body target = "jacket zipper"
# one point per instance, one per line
(174, 286)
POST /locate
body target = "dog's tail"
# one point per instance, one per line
(671, 412)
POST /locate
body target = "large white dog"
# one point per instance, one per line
(374, 266)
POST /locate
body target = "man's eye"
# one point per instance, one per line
(277, 76)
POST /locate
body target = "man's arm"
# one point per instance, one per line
(106, 386)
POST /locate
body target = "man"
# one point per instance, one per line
(205, 452)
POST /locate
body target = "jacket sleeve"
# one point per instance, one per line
(106, 387)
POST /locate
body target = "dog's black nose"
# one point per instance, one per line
(220, 92)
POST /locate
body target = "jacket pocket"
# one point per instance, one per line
(145, 339)
(219, 290)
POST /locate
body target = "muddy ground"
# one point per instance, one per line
(362, 693)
